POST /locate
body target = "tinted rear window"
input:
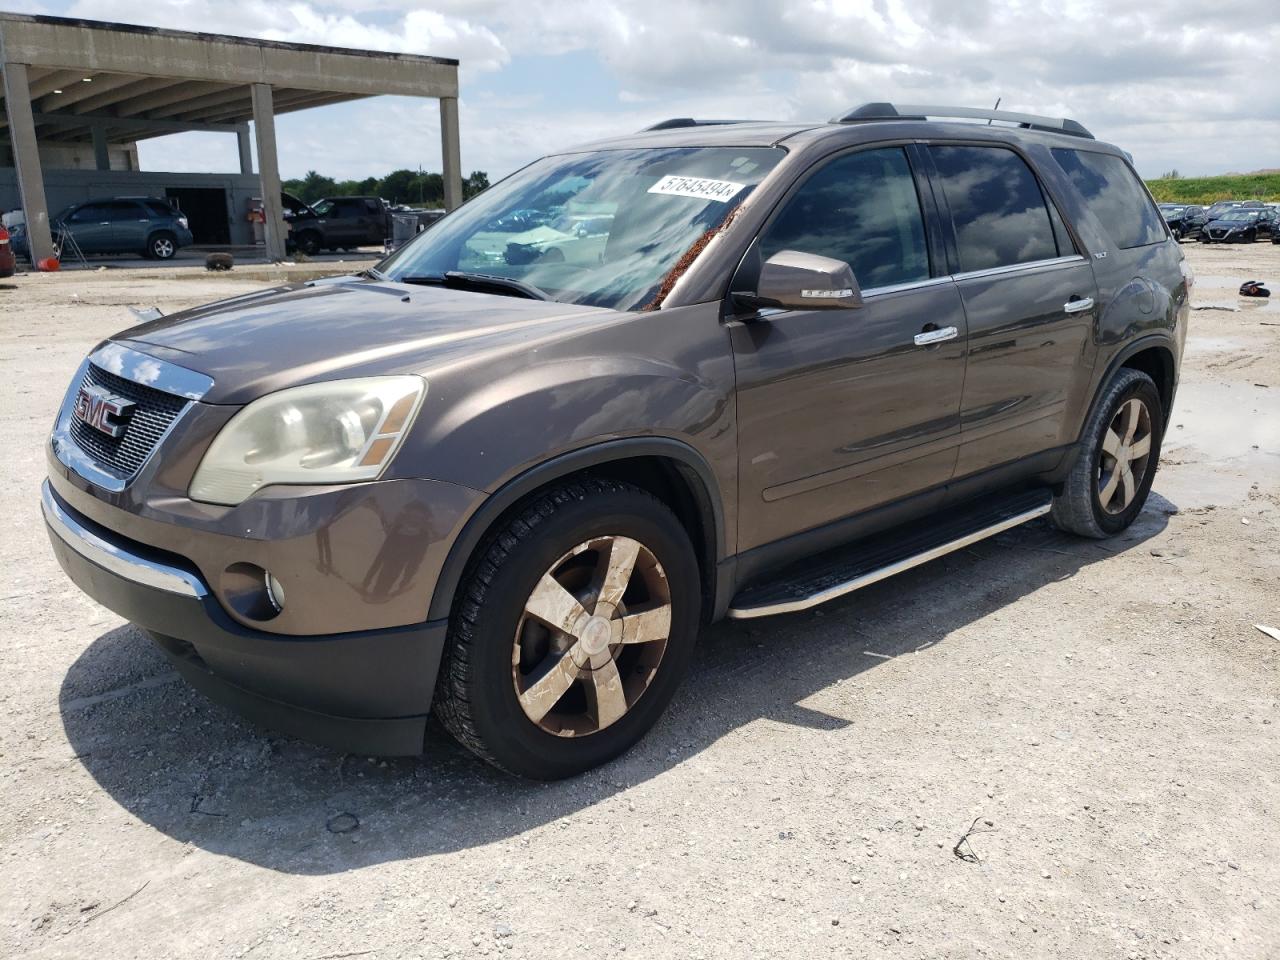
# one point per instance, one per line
(1000, 213)
(157, 208)
(1113, 194)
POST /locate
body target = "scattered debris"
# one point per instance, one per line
(196, 800)
(144, 316)
(963, 849)
(343, 823)
(117, 903)
(1271, 632)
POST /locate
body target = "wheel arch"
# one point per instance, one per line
(1153, 355)
(671, 470)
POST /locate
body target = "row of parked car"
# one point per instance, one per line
(1227, 221)
(154, 228)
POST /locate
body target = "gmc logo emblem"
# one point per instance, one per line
(103, 410)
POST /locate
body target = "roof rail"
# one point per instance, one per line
(676, 122)
(889, 111)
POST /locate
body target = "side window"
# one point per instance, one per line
(157, 209)
(861, 208)
(1113, 194)
(372, 206)
(348, 208)
(1000, 213)
(90, 213)
(122, 210)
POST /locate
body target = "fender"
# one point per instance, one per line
(479, 523)
(1163, 339)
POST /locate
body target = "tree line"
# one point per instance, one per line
(412, 187)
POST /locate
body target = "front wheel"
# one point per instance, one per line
(575, 624)
(1120, 449)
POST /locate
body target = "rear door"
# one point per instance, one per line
(1029, 300)
(130, 223)
(843, 410)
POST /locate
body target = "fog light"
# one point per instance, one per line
(275, 591)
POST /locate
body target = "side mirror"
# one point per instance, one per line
(803, 281)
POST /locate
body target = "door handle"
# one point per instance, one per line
(1078, 306)
(929, 337)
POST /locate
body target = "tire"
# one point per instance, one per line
(498, 654)
(1080, 507)
(308, 242)
(162, 246)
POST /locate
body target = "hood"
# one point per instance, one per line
(1224, 224)
(347, 326)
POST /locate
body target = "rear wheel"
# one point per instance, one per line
(1112, 477)
(576, 623)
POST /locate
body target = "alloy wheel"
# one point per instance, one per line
(1126, 450)
(592, 636)
(162, 248)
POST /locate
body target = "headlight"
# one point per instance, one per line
(342, 431)
(182, 222)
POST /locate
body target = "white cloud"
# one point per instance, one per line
(1170, 80)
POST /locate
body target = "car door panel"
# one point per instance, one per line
(840, 410)
(1030, 303)
(1028, 357)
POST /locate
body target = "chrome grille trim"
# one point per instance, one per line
(162, 393)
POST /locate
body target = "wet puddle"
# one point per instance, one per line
(1223, 439)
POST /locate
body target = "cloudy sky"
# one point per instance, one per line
(1186, 84)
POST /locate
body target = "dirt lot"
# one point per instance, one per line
(1104, 713)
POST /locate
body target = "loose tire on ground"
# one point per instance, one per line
(1100, 497)
(627, 638)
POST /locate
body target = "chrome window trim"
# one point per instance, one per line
(151, 371)
(902, 287)
(970, 275)
(113, 558)
(1018, 267)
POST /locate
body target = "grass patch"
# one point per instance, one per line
(1206, 190)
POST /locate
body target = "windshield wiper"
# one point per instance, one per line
(458, 278)
(374, 274)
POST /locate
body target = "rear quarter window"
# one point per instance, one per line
(157, 209)
(1112, 193)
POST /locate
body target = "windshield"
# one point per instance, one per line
(1235, 215)
(603, 229)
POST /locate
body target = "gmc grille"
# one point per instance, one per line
(154, 411)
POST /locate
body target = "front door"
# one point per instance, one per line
(1030, 301)
(90, 225)
(842, 410)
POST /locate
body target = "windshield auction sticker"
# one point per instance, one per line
(698, 187)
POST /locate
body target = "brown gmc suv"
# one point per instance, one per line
(706, 370)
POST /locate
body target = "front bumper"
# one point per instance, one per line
(360, 692)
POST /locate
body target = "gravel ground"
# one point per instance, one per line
(1104, 715)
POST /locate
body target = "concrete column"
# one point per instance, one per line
(101, 156)
(451, 152)
(264, 128)
(246, 151)
(26, 157)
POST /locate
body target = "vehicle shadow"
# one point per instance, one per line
(199, 774)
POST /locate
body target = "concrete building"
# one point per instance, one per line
(80, 94)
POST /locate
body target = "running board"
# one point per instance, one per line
(846, 569)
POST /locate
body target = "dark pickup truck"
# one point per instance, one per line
(340, 223)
